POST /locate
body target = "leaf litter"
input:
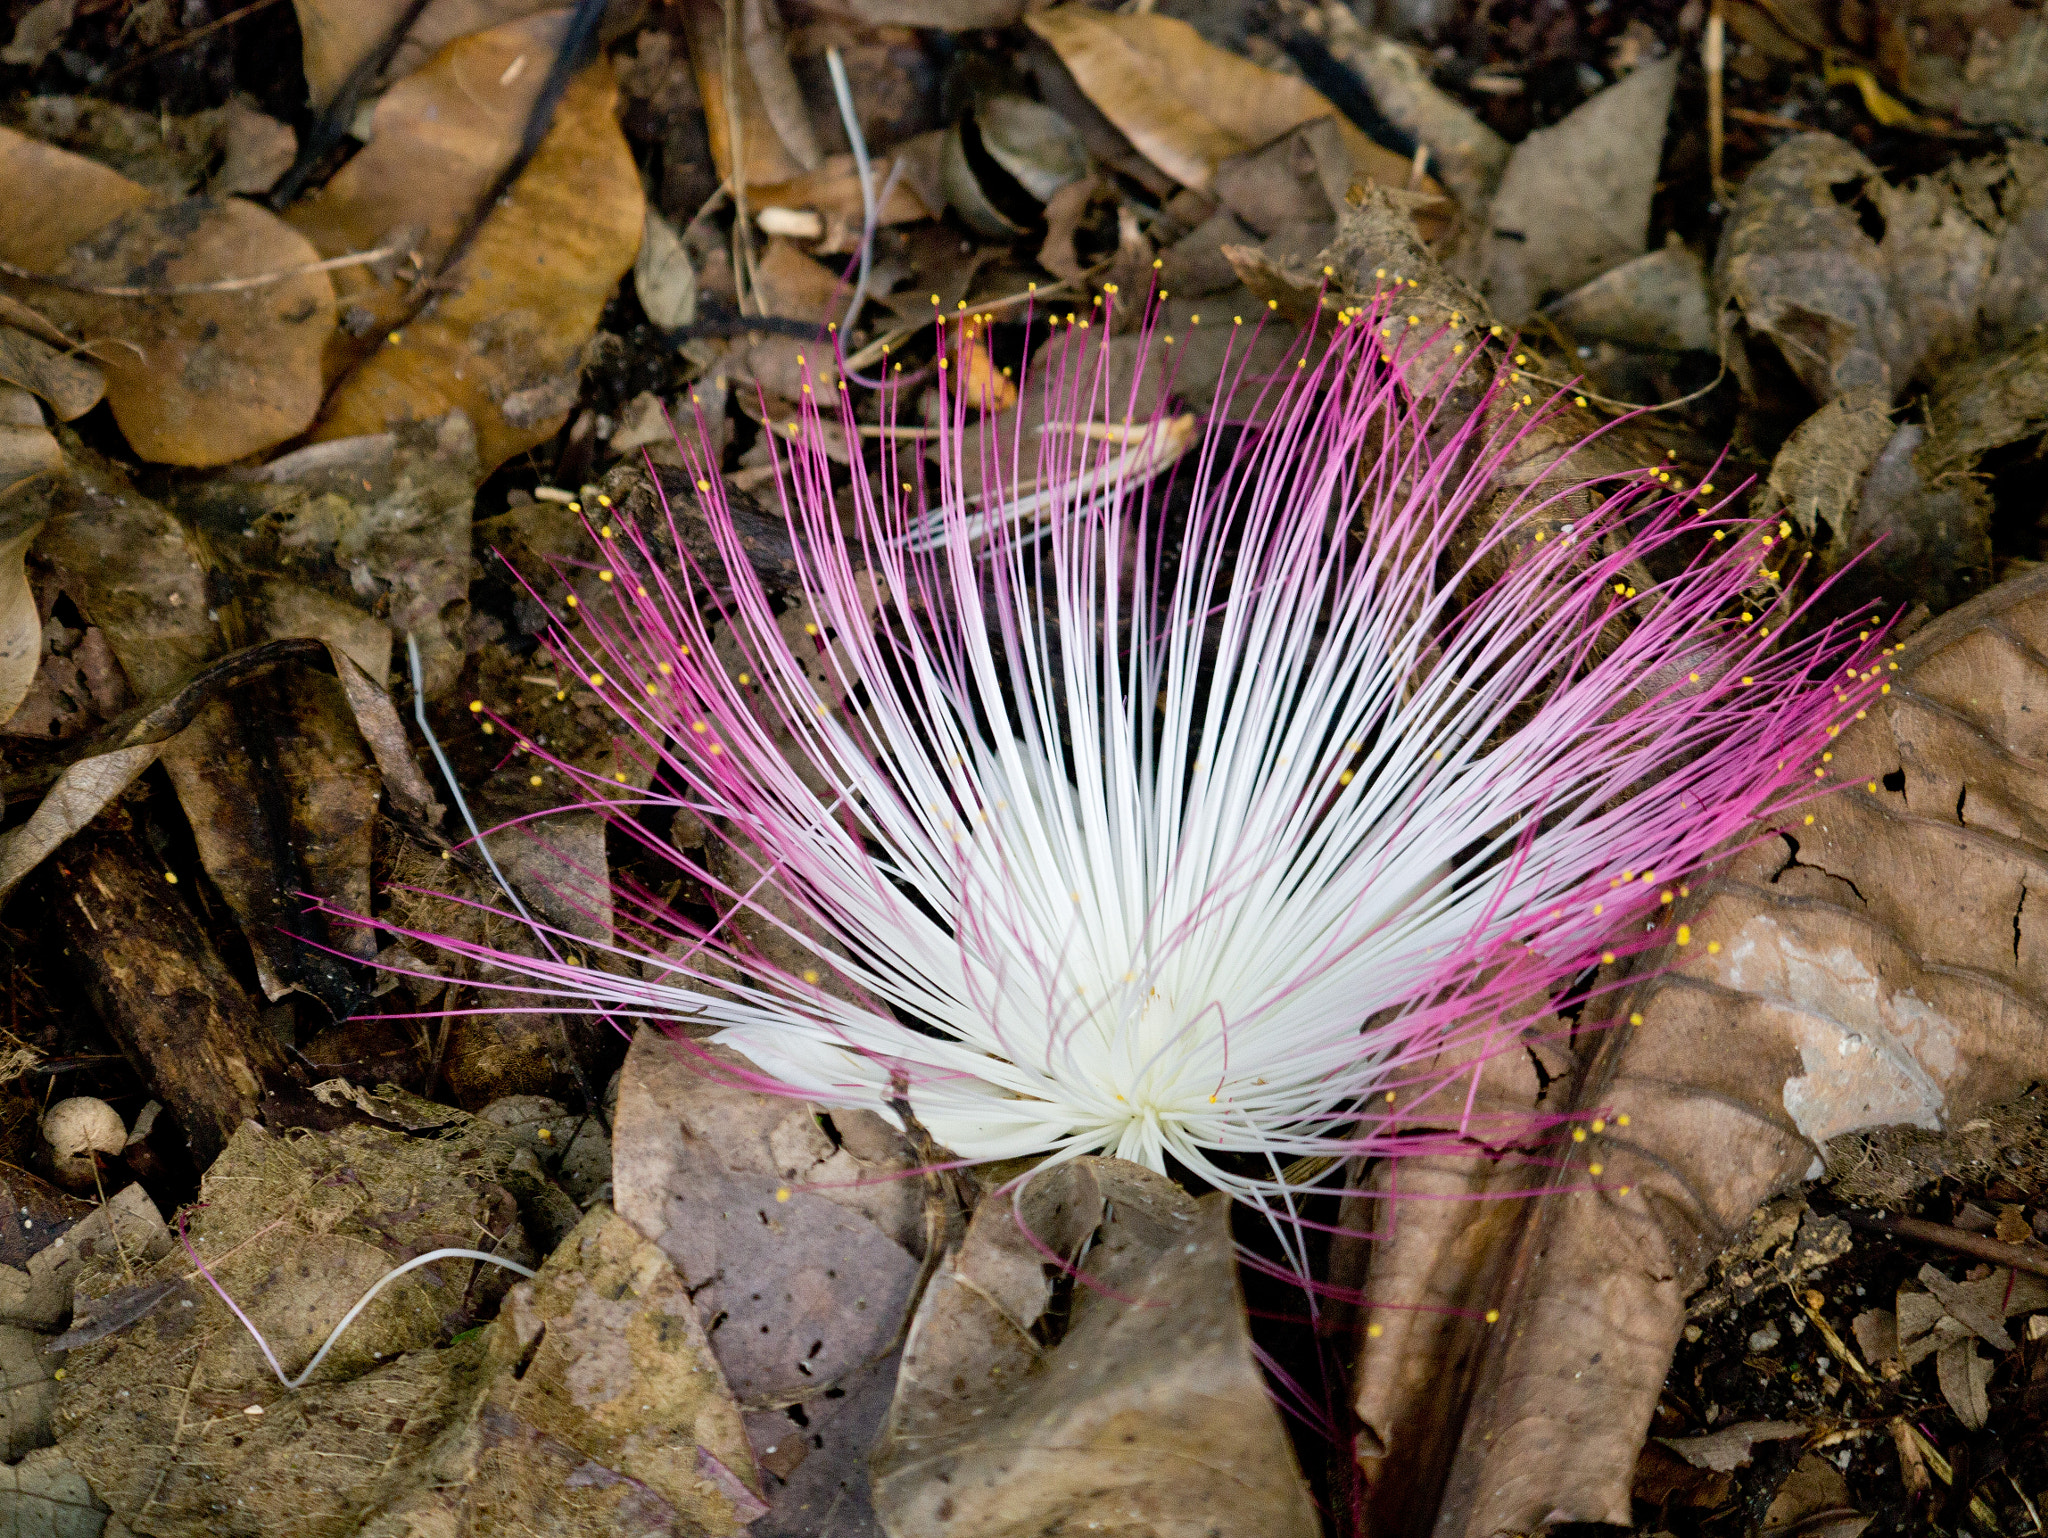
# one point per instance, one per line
(300, 363)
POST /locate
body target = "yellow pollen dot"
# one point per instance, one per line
(652, 689)
(810, 976)
(604, 576)
(1667, 896)
(703, 485)
(782, 1193)
(641, 591)
(171, 876)
(620, 776)
(475, 706)
(1635, 1019)
(561, 694)
(745, 679)
(572, 600)
(1607, 957)
(1684, 934)
(1747, 679)
(1595, 1169)
(1579, 400)
(1713, 949)
(663, 668)
(1493, 1316)
(714, 750)
(1872, 786)
(597, 680)
(1390, 1097)
(699, 726)
(534, 780)
(1375, 1330)
(1415, 320)
(1344, 778)
(575, 507)
(1598, 909)
(1578, 1134)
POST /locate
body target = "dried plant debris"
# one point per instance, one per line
(297, 1230)
(1574, 200)
(801, 1256)
(1864, 993)
(1070, 1358)
(1885, 1167)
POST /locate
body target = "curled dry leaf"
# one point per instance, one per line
(1864, 286)
(663, 279)
(753, 108)
(193, 378)
(1876, 965)
(27, 446)
(1189, 106)
(1574, 199)
(502, 341)
(1147, 1412)
(21, 626)
(36, 355)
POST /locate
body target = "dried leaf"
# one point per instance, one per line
(992, 1433)
(338, 35)
(43, 1495)
(1464, 154)
(1861, 285)
(72, 385)
(1654, 302)
(21, 626)
(503, 344)
(1574, 200)
(1187, 105)
(193, 378)
(801, 1292)
(1814, 1502)
(1863, 969)
(27, 447)
(602, 1369)
(766, 115)
(2004, 80)
(1964, 1374)
(663, 279)
(1730, 1447)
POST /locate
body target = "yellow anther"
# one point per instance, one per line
(1684, 934)
(475, 706)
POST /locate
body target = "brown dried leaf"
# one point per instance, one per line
(1861, 285)
(801, 1292)
(194, 379)
(27, 447)
(32, 359)
(1814, 1502)
(764, 113)
(502, 342)
(601, 1366)
(1874, 966)
(337, 35)
(1189, 106)
(1574, 200)
(1655, 302)
(1149, 1413)
(1730, 1448)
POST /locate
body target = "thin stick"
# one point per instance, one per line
(174, 290)
(183, 42)
(1960, 1240)
(1710, 55)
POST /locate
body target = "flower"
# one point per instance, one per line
(1196, 815)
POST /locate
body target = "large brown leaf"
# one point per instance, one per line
(1875, 965)
(193, 378)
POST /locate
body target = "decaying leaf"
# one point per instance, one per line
(1861, 285)
(46, 1496)
(1574, 200)
(1146, 1412)
(21, 626)
(753, 108)
(1875, 965)
(2004, 80)
(608, 1411)
(1813, 1501)
(1730, 1447)
(799, 1256)
(193, 378)
(36, 355)
(299, 1230)
(502, 342)
(663, 279)
(27, 447)
(1189, 106)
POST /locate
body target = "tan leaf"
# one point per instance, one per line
(763, 112)
(21, 627)
(992, 1434)
(1187, 105)
(337, 35)
(502, 344)
(27, 446)
(34, 359)
(193, 378)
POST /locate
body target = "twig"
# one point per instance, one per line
(183, 42)
(1711, 49)
(332, 126)
(174, 290)
(1960, 1240)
